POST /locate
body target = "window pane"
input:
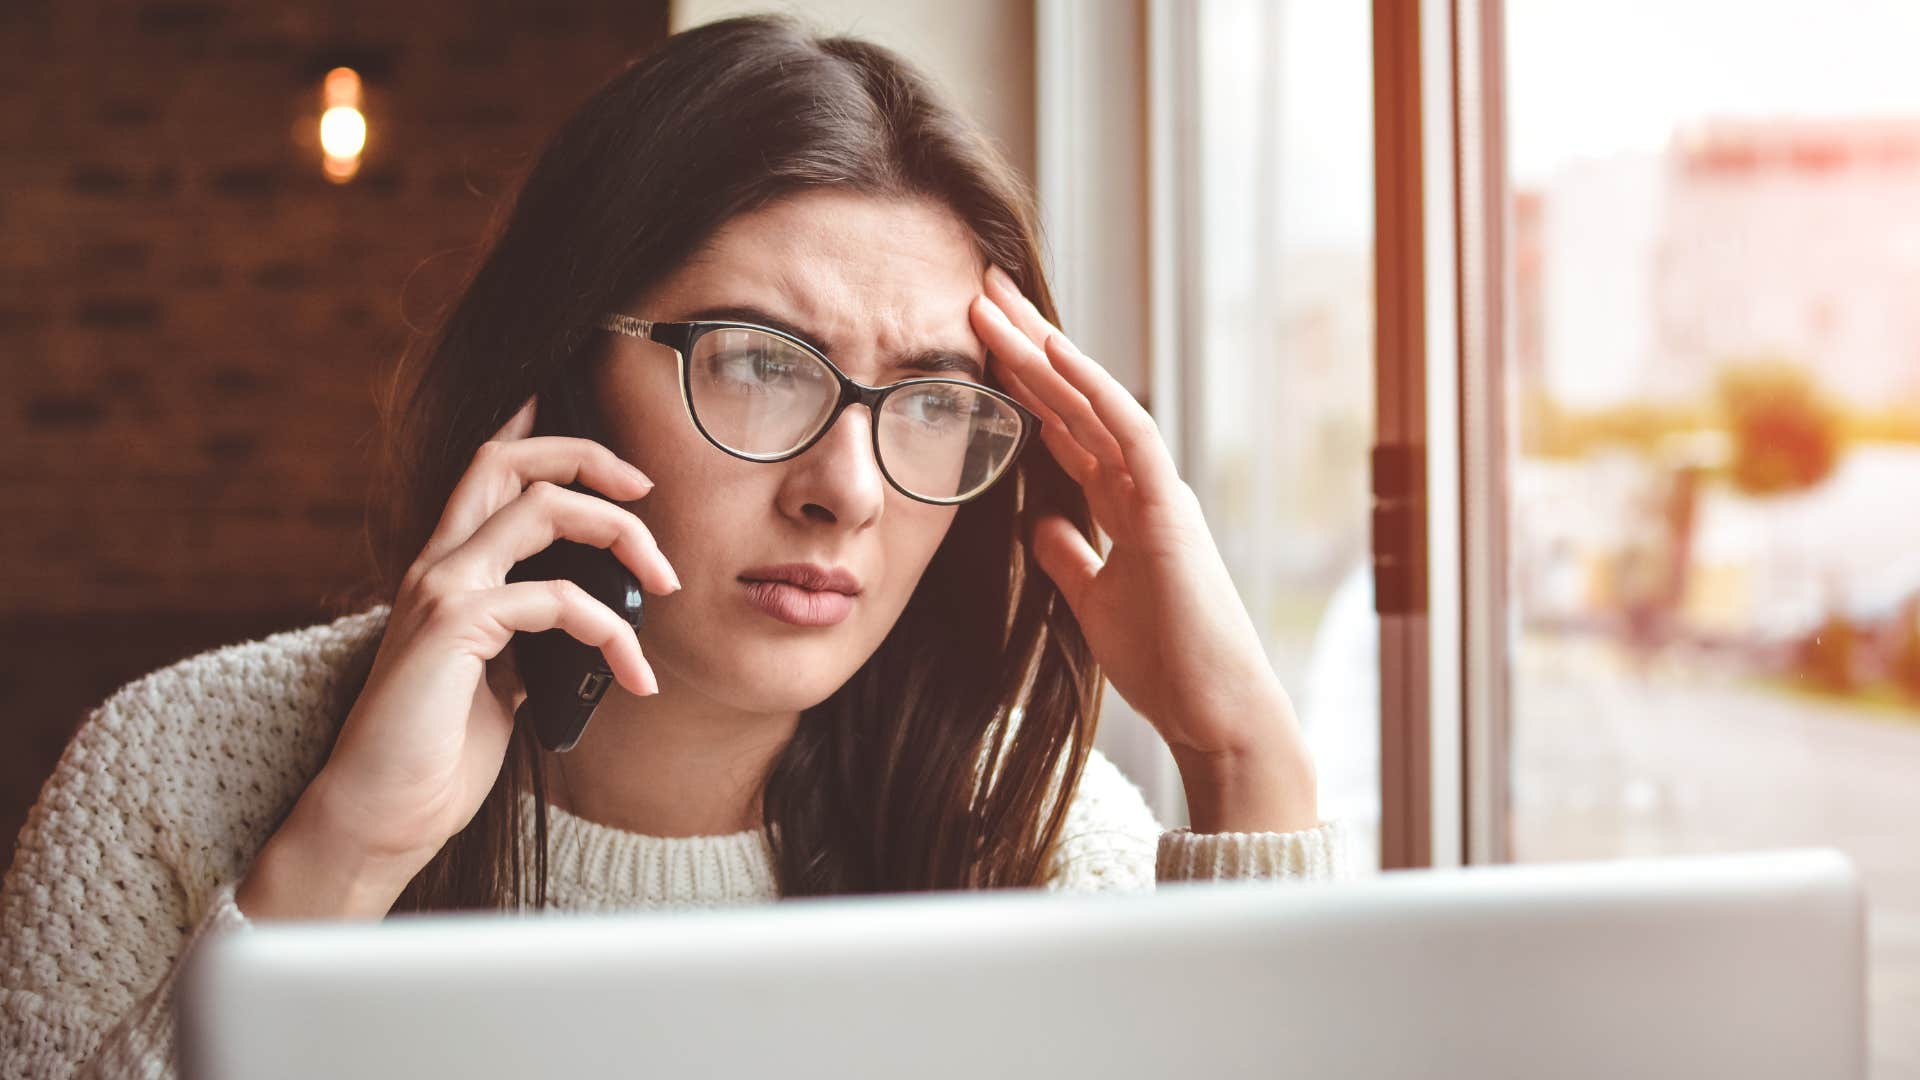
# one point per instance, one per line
(1284, 377)
(1716, 487)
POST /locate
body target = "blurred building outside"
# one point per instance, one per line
(1644, 284)
(1715, 511)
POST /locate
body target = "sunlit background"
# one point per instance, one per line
(1714, 506)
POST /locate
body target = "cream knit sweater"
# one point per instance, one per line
(168, 790)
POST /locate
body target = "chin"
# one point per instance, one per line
(785, 677)
(759, 665)
(781, 697)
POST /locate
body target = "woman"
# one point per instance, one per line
(698, 262)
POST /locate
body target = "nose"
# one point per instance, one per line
(837, 480)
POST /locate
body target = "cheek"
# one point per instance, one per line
(645, 424)
(692, 508)
(692, 500)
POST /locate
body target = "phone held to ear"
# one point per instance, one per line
(565, 678)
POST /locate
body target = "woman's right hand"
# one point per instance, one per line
(425, 741)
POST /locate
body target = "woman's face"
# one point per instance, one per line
(869, 282)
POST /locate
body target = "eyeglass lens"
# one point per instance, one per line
(763, 396)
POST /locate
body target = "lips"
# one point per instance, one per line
(802, 594)
(807, 576)
(798, 606)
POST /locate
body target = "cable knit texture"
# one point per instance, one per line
(161, 800)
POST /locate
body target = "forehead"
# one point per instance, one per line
(862, 275)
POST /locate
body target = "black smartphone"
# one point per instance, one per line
(565, 679)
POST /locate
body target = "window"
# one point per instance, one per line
(1218, 260)
(1644, 309)
(1281, 372)
(1715, 499)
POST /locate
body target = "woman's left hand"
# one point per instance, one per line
(1160, 612)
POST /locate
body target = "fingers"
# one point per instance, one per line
(1139, 437)
(1006, 294)
(1069, 561)
(1065, 377)
(510, 504)
(1027, 363)
(546, 512)
(534, 606)
(1073, 458)
(503, 468)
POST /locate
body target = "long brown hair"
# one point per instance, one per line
(911, 775)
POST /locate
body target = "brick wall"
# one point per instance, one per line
(193, 320)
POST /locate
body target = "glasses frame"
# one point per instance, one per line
(681, 336)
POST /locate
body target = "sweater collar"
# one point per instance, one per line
(598, 867)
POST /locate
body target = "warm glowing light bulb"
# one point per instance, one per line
(343, 127)
(343, 131)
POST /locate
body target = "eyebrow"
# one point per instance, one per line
(931, 361)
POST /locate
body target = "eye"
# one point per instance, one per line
(935, 407)
(759, 368)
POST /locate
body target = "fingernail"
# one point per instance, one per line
(652, 685)
(999, 275)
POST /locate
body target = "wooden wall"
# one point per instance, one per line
(194, 322)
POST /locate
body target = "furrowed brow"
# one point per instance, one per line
(933, 361)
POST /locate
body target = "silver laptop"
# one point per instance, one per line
(1749, 965)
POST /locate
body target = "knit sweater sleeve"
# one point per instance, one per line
(99, 911)
(141, 1043)
(130, 856)
(1112, 842)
